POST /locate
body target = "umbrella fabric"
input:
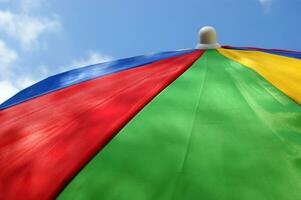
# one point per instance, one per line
(236, 137)
(292, 54)
(283, 72)
(228, 127)
(46, 140)
(76, 76)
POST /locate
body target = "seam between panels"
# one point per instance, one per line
(133, 114)
(265, 52)
(168, 83)
(262, 76)
(252, 105)
(195, 113)
(66, 182)
(240, 88)
(2, 107)
(279, 52)
(30, 113)
(180, 172)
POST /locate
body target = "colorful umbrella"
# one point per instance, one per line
(205, 123)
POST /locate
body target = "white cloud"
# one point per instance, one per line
(8, 87)
(25, 28)
(6, 90)
(266, 4)
(7, 56)
(10, 83)
(93, 58)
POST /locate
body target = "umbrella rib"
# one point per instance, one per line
(204, 57)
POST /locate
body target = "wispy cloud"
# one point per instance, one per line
(28, 29)
(266, 4)
(25, 28)
(10, 83)
(7, 90)
(93, 57)
(7, 56)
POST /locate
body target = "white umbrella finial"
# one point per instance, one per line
(207, 36)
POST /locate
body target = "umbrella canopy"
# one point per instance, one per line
(208, 123)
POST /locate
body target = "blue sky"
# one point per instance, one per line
(39, 38)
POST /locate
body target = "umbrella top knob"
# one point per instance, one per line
(208, 37)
